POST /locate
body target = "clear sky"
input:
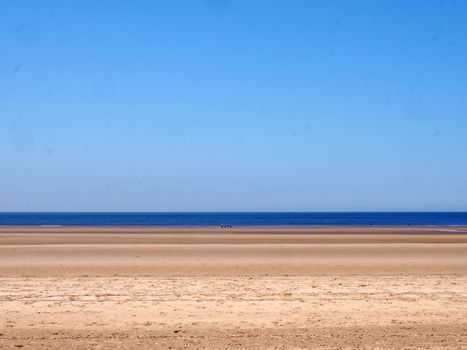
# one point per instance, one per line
(237, 105)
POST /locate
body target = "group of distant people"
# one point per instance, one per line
(226, 226)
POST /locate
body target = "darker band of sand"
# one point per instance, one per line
(103, 251)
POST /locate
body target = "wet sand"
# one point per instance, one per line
(258, 288)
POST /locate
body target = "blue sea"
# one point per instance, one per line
(236, 219)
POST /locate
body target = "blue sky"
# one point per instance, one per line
(233, 105)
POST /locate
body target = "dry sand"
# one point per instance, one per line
(258, 288)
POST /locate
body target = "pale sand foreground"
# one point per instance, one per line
(240, 288)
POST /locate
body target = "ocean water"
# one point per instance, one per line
(236, 219)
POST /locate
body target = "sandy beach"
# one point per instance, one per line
(246, 287)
